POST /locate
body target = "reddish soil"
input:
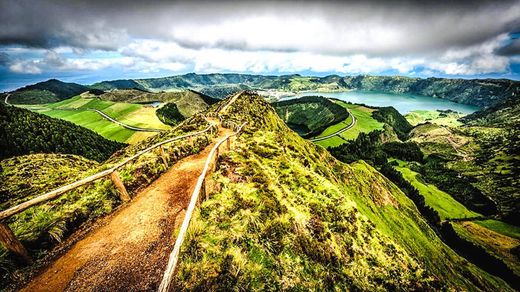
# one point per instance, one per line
(130, 251)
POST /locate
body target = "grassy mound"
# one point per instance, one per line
(285, 215)
(310, 115)
(44, 92)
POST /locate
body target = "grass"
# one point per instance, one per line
(364, 124)
(495, 243)
(442, 202)
(131, 114)
(285, 215)
(501, 227)
(421, 116)
(43, 226)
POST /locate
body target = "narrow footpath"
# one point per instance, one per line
(130, 250)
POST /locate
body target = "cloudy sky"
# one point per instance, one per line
(88, 41)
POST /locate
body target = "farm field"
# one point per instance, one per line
(77, 110)
(364, 124)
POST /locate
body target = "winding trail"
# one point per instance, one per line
(6, 97)
(130, 249)
(339, 131)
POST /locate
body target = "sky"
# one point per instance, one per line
(89, 41)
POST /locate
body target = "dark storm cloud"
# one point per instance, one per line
(336, 27)
(511, 49)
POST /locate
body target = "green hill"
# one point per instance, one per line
(286, 215)
(44, 92)
(25, 132)
(478, 92)
(310, 115)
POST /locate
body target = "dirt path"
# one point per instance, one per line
(131, 250)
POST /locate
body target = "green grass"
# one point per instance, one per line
(421, 116)
(442, 202)
(43, 226)
(93, 121)
(131, 114)
(501, 227)
(285, 215)
(364, 124)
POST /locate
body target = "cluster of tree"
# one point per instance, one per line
(170, 114)
(392, 117)
(434, 170)
(25, 132)
(408, 151)
(411, 192)
(368, 147)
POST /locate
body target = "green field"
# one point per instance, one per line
(75, 110)
(421, 116)
(442, 202)
(364, 124)
(501, 227)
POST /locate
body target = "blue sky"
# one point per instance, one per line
(90, 41)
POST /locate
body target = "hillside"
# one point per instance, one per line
(189, 102)
(284, 214)
(478, 92)
(45, 92)
(53, 223)
(24, 132)
(310, 115)
(486, 158)
(81, 110)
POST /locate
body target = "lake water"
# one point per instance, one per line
(404, 103)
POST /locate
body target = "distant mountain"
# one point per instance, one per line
(26, 132)
(478, 92)
(44, 92)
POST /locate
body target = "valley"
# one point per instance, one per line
(308, 179)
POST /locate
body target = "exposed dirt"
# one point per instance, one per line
(130, 251)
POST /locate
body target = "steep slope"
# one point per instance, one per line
(44, 92)
(285, 215)
(47, 225)
(24, 132)
(310, 115)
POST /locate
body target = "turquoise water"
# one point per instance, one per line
(404, 103)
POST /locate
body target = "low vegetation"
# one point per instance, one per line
(285, 215)
(79, 110)
(365, 123)
(310, 115)
(41, 227)
(170, 114)
(25, 132)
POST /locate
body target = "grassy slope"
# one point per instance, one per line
(189, 102)
(501, 227)
(285, 214)
(495, 243)
(364, 124)
(421, 116)
(442, 202)
(131, 114)
(43, 226)
(310, 115)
